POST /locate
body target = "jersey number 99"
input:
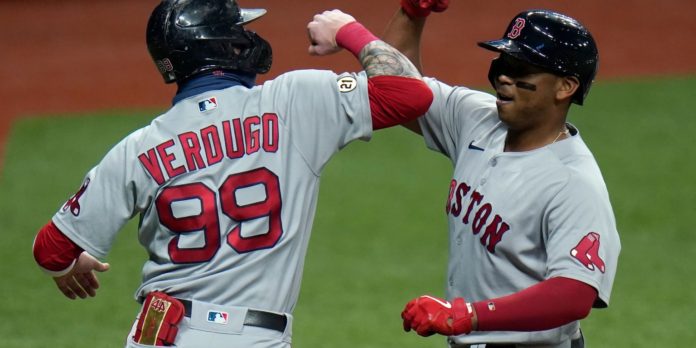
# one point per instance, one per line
(208, 221)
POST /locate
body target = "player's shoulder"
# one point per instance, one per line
(579, 165)
(463, 107)
(305, 73)
(460, 94)
(309, 82)
(307, 76)
(147, 131)
(462, 102)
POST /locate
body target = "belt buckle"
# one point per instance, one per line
(253, 317)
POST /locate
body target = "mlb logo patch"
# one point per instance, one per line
(217, 317)
(207, 104)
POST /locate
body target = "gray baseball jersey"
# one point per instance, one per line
(518, 218)
(225, 185)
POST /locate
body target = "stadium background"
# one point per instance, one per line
(75, 77)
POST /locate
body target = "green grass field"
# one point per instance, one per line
(380, 234)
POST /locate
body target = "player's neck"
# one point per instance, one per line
(532, 139)
(213, 80)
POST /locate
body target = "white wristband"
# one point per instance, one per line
(59, 273)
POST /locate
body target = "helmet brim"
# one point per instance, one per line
(519, 51)
(249, 15)
(504, 46)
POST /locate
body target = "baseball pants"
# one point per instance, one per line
(211, 326)
(576, 342)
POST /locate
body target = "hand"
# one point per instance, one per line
(81, 280)
(322, 31)
(429, 315)
(422, 8)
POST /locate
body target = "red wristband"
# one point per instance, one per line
(53, 251)
(353, 37)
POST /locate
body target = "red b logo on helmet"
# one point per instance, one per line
(517, 28)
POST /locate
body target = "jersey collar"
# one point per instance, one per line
(213, 80)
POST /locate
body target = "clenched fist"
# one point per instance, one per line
(322, 31)
(422, 8)
(429, 315)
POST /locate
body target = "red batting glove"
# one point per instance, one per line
(429, 315)
(422, 8)
(439, 5)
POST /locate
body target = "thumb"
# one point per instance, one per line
(87, 262)
(313, 50)
(102, 267)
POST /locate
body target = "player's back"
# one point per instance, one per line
(225, 184)
(232, 184)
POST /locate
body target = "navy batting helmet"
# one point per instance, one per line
(552, 41)
(186, 37)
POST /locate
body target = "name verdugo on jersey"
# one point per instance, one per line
(194, 150)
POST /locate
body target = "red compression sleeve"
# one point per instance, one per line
(397, 99)
(353, 37)
(547, 305)
(53, 250)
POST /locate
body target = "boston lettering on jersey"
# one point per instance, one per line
(232, 139)
(478, 213)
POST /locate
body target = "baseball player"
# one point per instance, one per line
(533, 240)
(225, 182)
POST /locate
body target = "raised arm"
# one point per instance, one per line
(405, 30)
(332, 30)
(396, 89)
(404, 34)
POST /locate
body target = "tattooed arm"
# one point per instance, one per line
(332, 30)
(378, 58)
(397, 92)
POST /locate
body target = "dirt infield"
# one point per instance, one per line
(84, 55)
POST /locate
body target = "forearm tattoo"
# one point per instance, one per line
(378, 58)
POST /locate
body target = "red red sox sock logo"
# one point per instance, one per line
(74, 202)
(587, 252)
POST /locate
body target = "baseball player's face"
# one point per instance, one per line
(525, 93)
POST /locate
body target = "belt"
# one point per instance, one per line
(574, 343)
(266, 320)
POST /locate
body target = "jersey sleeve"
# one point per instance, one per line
(105, 201)
(455, 114)
(582, 241)
(323, 111)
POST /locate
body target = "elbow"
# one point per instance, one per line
(397, 99)
(579, 312)
(423, 99)
(581, 308)
(583, 295)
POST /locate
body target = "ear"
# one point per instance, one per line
(567, 86)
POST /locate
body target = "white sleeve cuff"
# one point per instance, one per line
(59, 273)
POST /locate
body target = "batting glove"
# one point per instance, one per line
(430, 315)
(422, 8)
